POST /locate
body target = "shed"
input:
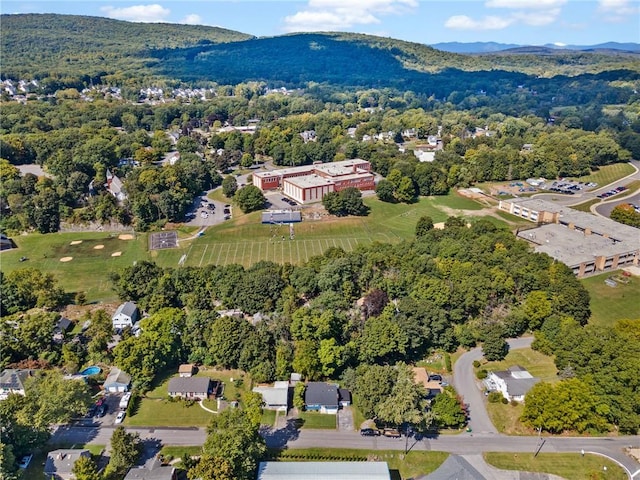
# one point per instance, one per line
(344, 397)
(117, 381)
(186, 370)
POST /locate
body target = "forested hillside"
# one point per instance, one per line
(110, 51)
(37, 45)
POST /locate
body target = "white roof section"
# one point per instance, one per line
(323, 470)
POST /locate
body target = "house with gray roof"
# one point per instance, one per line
(323, 470)
(12, 380)
(126, 315)
(117, 381)
(194, 388)
(513, 383)
(275, 397)
(321, 397)
(152, 470)
(59, 463)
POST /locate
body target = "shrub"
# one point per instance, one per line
(447, 362)
(504, 401)
(495, 397)
(476, 363)
(514, 403)
(481, 374)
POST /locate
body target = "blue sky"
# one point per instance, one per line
(532, 22)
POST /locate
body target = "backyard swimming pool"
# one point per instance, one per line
(91, 371)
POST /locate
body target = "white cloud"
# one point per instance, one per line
(331, 15)
(526, 4)
(618, 11)
(463, 22)
(138, 13)
(192, 19)
(538, 19)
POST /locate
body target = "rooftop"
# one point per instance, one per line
(323, 470)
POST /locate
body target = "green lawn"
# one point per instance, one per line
(609, 304)
(608, 174)
(318, 420)
(536, 363)
(89, 268)
(269, 417)
(156, 410)
(586, 206)
(412, 465)
(571, 466)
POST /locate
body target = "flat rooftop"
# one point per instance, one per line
(324, 167)
(573, 247)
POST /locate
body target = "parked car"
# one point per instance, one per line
(391, 433)
(120, 417)
(369, 432)
(435, 378)
(102, 410)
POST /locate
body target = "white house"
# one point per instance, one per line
(126, 315)
(117, 381)
(12, 381)
(513, 383)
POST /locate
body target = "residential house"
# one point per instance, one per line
(194, 388)
(155, 471)
(5, 242)
(59, 463)
(421, 377)
(321, 470)
(63, 326)
(12, 380)
(115, 187)
(275, 397)
(186, 370)
(126, 315)
(321, 397)
(117, 381)
(513, 383)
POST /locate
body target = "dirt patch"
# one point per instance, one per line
(116, 254)
(439, 225)
(98, 247)
(76, 242)
(66, 259)
(125, 236)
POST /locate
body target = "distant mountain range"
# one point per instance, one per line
(491, 47)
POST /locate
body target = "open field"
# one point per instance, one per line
(536, 363)
(608, 174)
(609, 304)
(91, 256)
(88, 268)
(571, 466)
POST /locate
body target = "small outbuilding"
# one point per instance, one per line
(186, 370)
(117, 381)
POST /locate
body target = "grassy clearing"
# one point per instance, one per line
(609, 304)
(155, 413)
(506, 418)
(536, 363)
(412, 465)
(608, 174)
(317, 420)
(178, 452)
(268, 417)
(571, 466)
(89, 268)
(586, 206)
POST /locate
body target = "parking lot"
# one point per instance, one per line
(208, 212)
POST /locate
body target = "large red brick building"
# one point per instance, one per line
(309, 183)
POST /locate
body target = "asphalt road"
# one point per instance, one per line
(468, 387)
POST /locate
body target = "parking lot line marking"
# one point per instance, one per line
(203, 253)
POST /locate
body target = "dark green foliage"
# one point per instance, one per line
(249, 199)
(125, 451)
(494, 346)
(424, 225)
(495, 397)
(448, 410)
(345, 202)
(229, 186)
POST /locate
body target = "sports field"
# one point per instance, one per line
(82, 261)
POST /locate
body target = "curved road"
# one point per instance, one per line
(468, 387)
(483, 438)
